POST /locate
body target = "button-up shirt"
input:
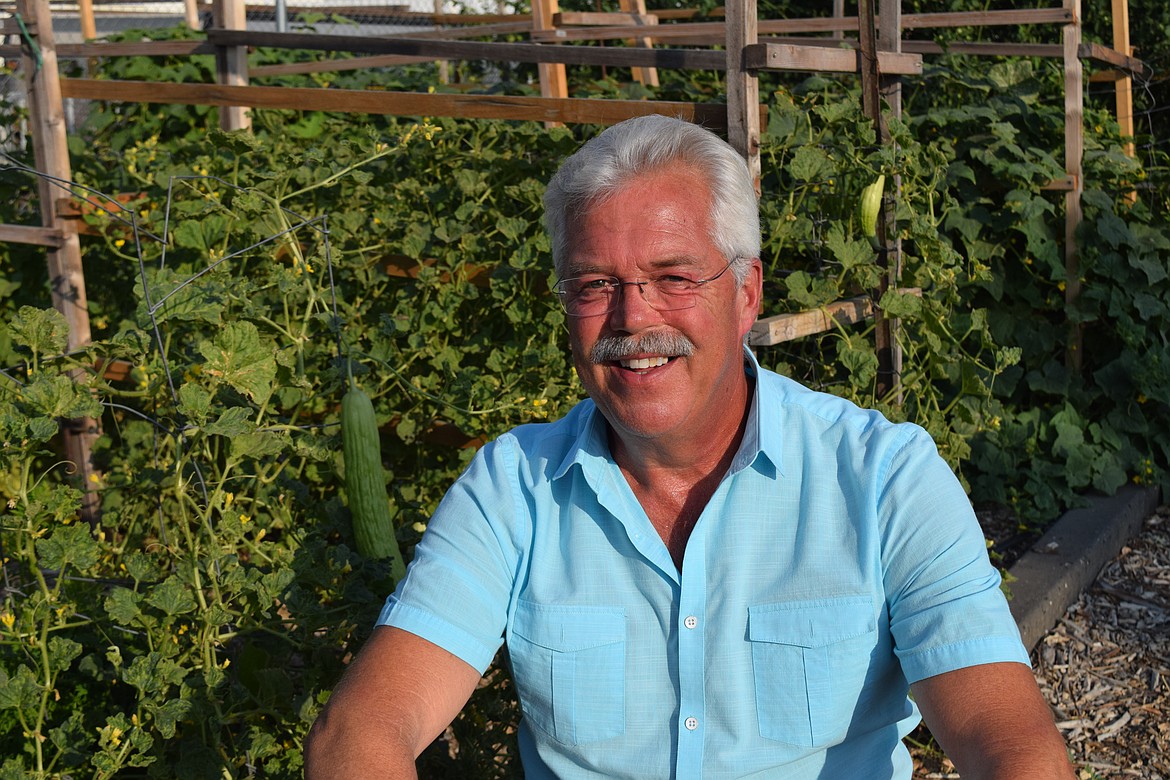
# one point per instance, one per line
(838, 561)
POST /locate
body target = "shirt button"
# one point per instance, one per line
(691, 724)
(691, 621)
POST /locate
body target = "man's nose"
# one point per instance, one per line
(630, 307)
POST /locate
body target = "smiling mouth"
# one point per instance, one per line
(641, 364)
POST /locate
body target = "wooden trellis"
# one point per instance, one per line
(879, 55)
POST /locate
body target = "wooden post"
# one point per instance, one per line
(66, 279)
(885, 328)
(231, 62)
(553, 81)
(1074, 116)
(1124, 85)
(743, 88)
(191, 13)
(647, 76)
(890, 39)
(443, 67)
(88, 25)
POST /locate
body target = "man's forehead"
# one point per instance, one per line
(583, 265)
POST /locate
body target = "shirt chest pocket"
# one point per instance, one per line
(569, 663)
(809, 661)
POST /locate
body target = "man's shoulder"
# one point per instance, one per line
(548, 440)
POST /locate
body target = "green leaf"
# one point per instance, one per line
(234, 421)
(176, 296)
(69, 545)
(512, 228)
(42, 428)
(194, 403)
(168, 714)
(902, 305)
(237, 357)
(122, 606)
(203, 234)
(44, 331)
(173, 597)
(153, 674)
(258, 444)
(810, 164)
(858, 357)
(62, 651)
(61, 397)
(21, 691)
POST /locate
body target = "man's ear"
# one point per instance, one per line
(749, 297)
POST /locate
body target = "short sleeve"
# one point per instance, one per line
(946, 608)
(457, 588)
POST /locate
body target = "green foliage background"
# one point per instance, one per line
(198, 627)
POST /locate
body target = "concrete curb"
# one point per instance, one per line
(1066, 560)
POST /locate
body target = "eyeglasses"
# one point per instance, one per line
(589, 296)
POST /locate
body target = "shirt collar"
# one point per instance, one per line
(761, 436)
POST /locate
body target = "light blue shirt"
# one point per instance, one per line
(838, 560)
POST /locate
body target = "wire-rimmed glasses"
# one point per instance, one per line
(589, 296)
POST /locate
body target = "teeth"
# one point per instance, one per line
(653, 362)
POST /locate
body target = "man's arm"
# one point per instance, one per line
(993, 722)
(397, 696)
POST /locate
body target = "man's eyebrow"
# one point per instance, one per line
(590, 268)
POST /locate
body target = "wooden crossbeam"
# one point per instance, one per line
(335, 66)
(768, 331)
(569, 110)
(714, 31)
(602, 19)
(37, 236)
(783, 56)
(501, 52)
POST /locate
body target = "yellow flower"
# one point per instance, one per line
(8, 619)
(228, 498)
(244, 519)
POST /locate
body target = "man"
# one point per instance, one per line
(705, 570)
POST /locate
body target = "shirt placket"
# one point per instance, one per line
(691, 648)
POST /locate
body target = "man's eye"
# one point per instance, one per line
(673, 280)
(594, 285)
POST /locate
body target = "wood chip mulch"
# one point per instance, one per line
(1105, 668)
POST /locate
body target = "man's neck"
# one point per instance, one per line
(674, 480)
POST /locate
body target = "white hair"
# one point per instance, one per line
(638, 146)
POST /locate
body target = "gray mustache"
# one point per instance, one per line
(610, 348)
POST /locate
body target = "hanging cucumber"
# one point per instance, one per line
(869, 208)
(373, 528)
